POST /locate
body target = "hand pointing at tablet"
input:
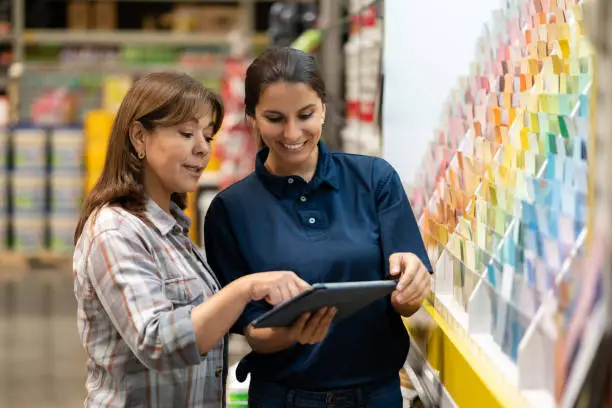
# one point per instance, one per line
(414, 282)
(275, 287)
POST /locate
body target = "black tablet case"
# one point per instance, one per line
(347, 297)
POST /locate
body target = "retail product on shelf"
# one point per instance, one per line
(4, 217)
(502, 195)
(44, 183)
(28, 181)
(67, 182)
(5, 16)
(63, 88)
(98, 125)
(235, 145)
(362, 81)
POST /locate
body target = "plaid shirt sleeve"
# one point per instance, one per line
(124, 275)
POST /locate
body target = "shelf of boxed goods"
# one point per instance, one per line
(45, 181)
(130, 37)
(362, 54)
(475, 348)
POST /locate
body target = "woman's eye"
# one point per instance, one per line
(187, 134)
(306, 116)
(209, 138)
(274, 119)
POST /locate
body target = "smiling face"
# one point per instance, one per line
(174, 157)
(289, 118)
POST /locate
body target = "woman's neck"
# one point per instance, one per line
(305, 170)
(157, 193)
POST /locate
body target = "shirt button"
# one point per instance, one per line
(290, 180)
(176, 229)
(218, 372)
(312, 220)
(303, 199)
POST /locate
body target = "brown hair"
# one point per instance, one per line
(156, 100)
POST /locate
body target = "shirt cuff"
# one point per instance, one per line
(178, 337)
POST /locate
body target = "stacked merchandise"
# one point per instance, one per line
(502, 196)
(46, 187)
(289, 21)
(64, 93)
(235, 146)
(66, 186)
(28, 181)
(5, 16)
(4, 216)
(362, 82)
(98, 125)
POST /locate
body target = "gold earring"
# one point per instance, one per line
(141, 155)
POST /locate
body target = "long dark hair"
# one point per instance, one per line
(160, 99)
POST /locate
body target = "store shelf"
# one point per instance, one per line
(469, 377)
(213, 71)
(123, 37)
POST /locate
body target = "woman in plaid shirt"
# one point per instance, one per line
(151, 314)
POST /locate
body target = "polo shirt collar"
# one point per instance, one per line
(326, 172)
(165, 222)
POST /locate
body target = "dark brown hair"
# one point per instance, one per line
(281, 64)
(156, 100)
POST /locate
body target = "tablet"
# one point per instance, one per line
(346, 297)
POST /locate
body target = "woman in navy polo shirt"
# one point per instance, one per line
(330, 217)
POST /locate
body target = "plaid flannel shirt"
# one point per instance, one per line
(135, 286)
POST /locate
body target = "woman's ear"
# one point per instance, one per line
(137, 138)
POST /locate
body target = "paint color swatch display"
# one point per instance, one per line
(502, 196)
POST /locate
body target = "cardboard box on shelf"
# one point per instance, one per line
(79, 15)
(218, 19)
(105, 15)
(183, 18)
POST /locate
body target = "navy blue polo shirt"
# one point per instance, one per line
(341, 226)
